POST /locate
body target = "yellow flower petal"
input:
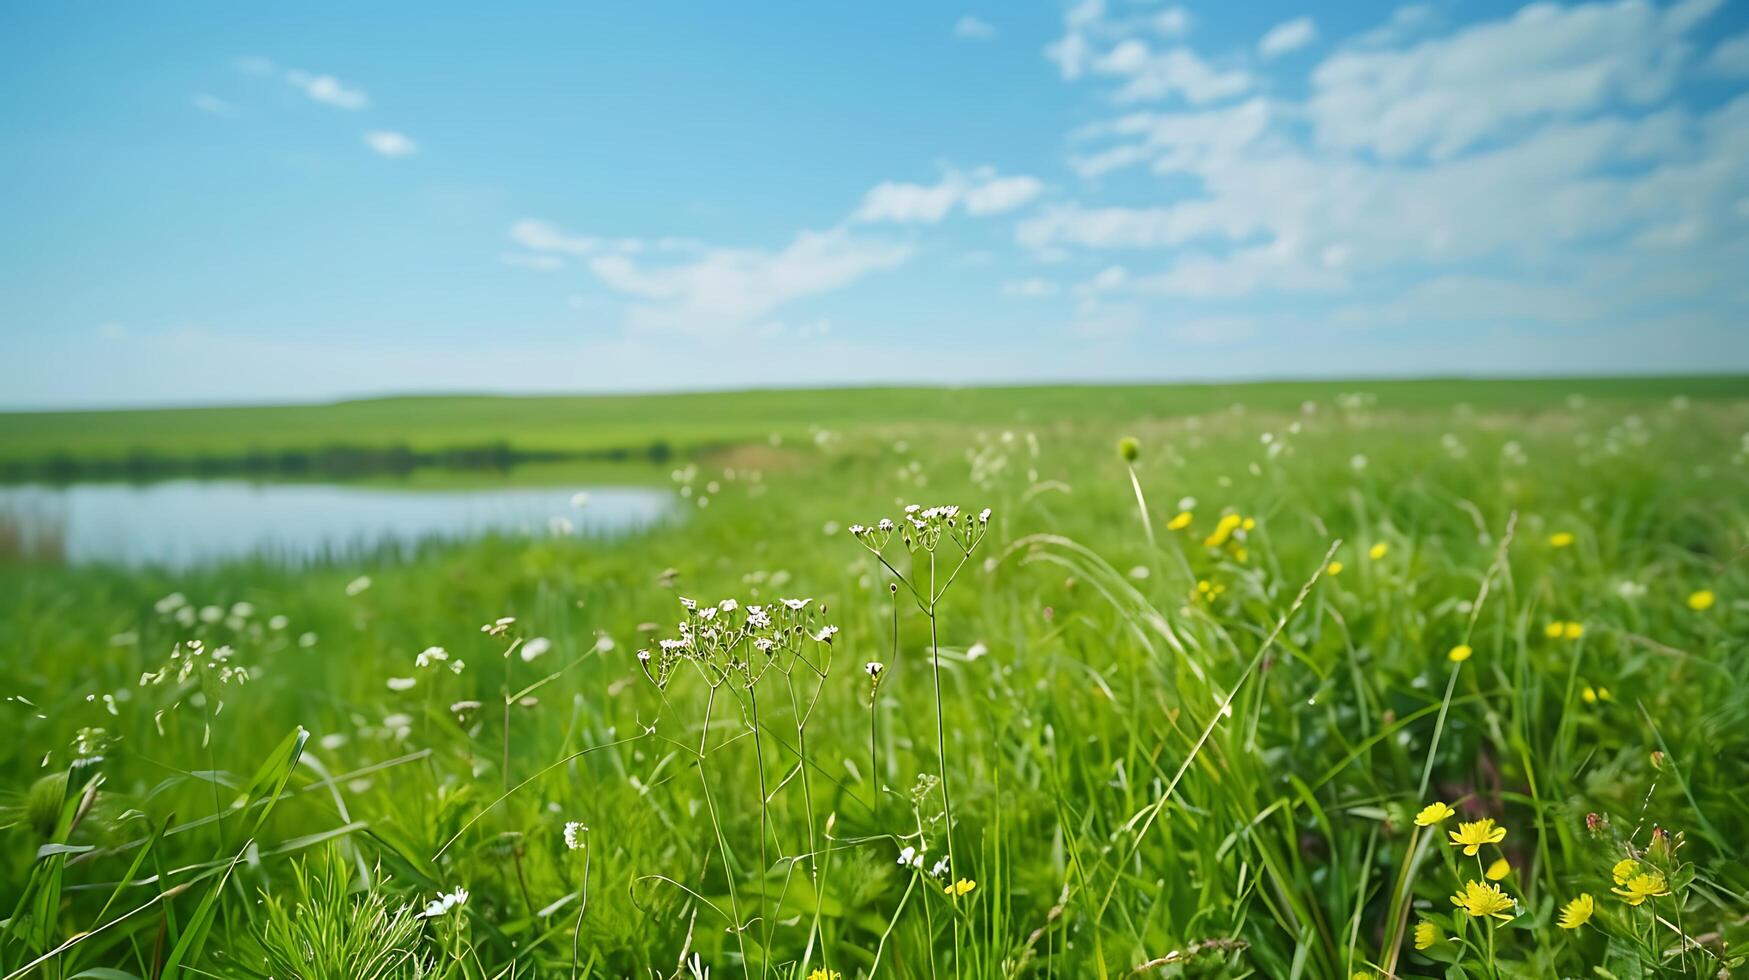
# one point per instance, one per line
(1577, 912)
(1432, 814)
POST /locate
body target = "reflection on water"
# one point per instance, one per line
(186, 522)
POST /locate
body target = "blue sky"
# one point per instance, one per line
(221, 203)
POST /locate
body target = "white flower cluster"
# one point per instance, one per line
(729, 642)
(194, 656)
(444, 902)
(912, 857)
(574, 831)
(432, 656)
(925, 528)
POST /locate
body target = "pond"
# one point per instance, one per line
(181, 523)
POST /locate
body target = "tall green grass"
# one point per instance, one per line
(1148, 746)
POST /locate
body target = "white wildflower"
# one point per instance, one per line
(574, 832)
(358, 585)
(402, 683)
(444, 902)
(536, 647)
(430, 655)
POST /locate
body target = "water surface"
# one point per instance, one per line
(179, 523)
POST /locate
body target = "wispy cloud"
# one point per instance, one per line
(1033, 287)
(390, 144)
(1730, 58)
(1547, 143)
(1287, 37)
(973, 29)
(979, 193)
(728, 289)
(328, 90)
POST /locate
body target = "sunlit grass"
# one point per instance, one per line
(1124, 739)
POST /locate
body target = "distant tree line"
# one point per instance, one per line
(334, 460)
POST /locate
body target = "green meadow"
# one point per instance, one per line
(1406, 679)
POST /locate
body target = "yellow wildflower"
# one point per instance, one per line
(1459, 653)
(1180, 522)
(1577, 912)
(1554, 630)
(1701, 601)
(1334, 568)
(1240, 554)
(824, 974)
(960, 887)
(1640, 887)
(1426, 934)
(1433, 814)
(1248, 523)
(1471, 836)
(1223, 530)
(1499, 869)
(1378, 551)
(1592, 695)
(1560, 539)
(1624, 869)
(1573, 631)
(1481, 900)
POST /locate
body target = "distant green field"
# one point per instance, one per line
(601, 423)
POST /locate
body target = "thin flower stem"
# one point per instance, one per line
(764, 818)
(1142, 505)
(577, 930)
(717, 827)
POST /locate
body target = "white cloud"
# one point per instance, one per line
(1001, 194)
(1288, 36)
(212, 104)
(909, 203)
(1731, 57)
(1176, 142)
(1148, 74)
(542, 236)
(974, 29)
(980, 193)
(328, 90)
(1446, 95)
(1032, 288)
(1072, 51)
(1587, 160)
(728, 289)
(1173, 22)
(390, 144)
(1118, 47)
